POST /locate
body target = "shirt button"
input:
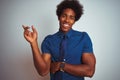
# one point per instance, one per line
(64, 60)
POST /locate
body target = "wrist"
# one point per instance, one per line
(33, 43)
(62, 65)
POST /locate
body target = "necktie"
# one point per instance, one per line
(63, 47)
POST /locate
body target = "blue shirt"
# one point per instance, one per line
(77, 44)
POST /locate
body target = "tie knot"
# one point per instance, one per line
(64, 36)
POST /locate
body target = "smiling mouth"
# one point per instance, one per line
(65, 25)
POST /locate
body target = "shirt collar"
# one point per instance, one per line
(68, 34)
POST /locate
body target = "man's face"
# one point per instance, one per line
(66, 20)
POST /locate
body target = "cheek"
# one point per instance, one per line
(72, 22)
(60, 20)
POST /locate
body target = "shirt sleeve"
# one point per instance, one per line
(87, 47)
(45, 47)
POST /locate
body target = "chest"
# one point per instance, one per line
(73, 50)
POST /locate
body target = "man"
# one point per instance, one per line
(67, 54)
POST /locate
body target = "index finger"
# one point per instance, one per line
(25, 27)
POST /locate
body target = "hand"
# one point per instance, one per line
(55, 66)
(30, 36)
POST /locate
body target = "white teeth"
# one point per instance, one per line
(65, 24)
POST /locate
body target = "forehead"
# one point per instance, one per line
(68, 11)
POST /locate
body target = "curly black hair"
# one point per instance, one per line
(72, 4)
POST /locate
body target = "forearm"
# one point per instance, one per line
(39, 62)
(82, 70)
(42, 63)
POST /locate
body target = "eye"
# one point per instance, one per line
(63, 15)
(72, 17)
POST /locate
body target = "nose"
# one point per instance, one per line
(67, 19)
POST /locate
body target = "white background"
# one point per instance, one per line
(101, 20)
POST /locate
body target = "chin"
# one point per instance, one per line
(65, 30)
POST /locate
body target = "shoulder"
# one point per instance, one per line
(86, 35)
(80, 33)
(75, 32)
(50, 37)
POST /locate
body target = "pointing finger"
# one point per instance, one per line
(25, 27)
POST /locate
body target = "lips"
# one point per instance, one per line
(65, 24)
(65, 27)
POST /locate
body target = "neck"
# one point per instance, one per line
(65, 32)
